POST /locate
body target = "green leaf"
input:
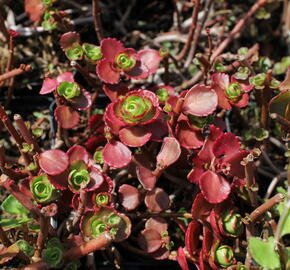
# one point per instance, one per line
(264, 252)
(286, 226)
(12, 206)
(8, 223)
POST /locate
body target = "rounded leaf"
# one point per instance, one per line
(53, 161)
(129, 197)
(200, 100)
(134, 136)
(66, 116)
(116, 154)
(150, 240)
(68, 39)
(48, 86)
(157, 200)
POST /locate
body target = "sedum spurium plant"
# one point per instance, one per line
(159, 171)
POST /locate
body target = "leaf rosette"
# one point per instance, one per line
(43, 191)
(138, 107)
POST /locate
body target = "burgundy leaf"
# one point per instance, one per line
(53, 162)
(112, 120)
(134, 136)
(48, 86)
(116, 154)
(66, 116)
(192, 237)
(150, 240)
(214, 225)
(83, 101)
(285, 85)
(200, 100)
(65, 77)
(34, 9)
(201, 207)
(113, 91)
(226, 144)
(169, 153)
(214, 187)
(68, 39)
(124, 230)
(129, 197)
(157, 223)
(158, 129)
(60, 181)
(140, 71)
(157, 200)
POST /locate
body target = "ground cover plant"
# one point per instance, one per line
(130, 140)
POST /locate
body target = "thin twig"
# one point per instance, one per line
(15, 72)
(97, 19)
(238, 28)
(281, 120)
(191, 31)
(166, 215)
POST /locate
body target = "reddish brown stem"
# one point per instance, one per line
(166, 215)
(281, 120)
(15, 72)
(191, 31)
(266, 206)
(238, 28)
(3, 28)
(26, 134)
(84, 73)
(97, 19)
(76, 253)
(197, 34)
(251, 183)
(41, 235)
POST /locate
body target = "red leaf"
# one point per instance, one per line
(214, 187)
(157, 200)
(181, 259)
(201, 207)
(7, 253)
(112, 120)
(150, 240)
(200, 100)
(48, 86)
(158, 129)
(107, 73)
(169, 153)
(68, 39)
(110, 48)
(96, 179)
(83, 101)
(116, 154)
(76, 153)
(226, 144)
(113, 91)
(129, 197)
(66, 116)
(220, 82)
(60, 181)
(134, 136)
(157, 223)
(53, 162)
(65, 77)
(187, 137)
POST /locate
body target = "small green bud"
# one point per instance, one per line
(200, 122)
(234, 92)
(26, 147)
(243, 51)
(53, 256)
(102, 199)
(243, 73)
(274, 84)
(163, 52)
(47, 2)
(92, 52)
(98, 157)
(124, 62)
(167, 108)
(75, 52)
(224, 256)
(113, 220)
(262, 14)
(79, 178)
(97, 226)
(25, 247)
(162, 94)
(232, 223)
(219, 67)
(37, 132)
(258, 81)
(32, 166)
(54, 242)
(69, 90)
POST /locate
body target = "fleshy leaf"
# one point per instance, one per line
(280, 104)
(192, 237)
(113, 91)
(8, 223)
(12, 206)
(214, 187)
(150, 240)
(76, 153)
(107, 73)
(200, 100)
(181, 259)
(129, 197)
(68, 39)
(53, 162)
(110, 48)
(134, 136)
(116, 154)
(34, 8)
(169, 153)
(7, 253)
(66, 116)
(48, 86)
(151, 59)
(264, 252)
(146, 177)
(157, 200)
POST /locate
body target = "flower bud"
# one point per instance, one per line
(97, 226)
(162, 94)
(25, 247)
(258, 81)
(53, 256)
(78, 179)
(113, 220)
(102, 199)
(125, 62)
(92, 52)
(75, 52)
